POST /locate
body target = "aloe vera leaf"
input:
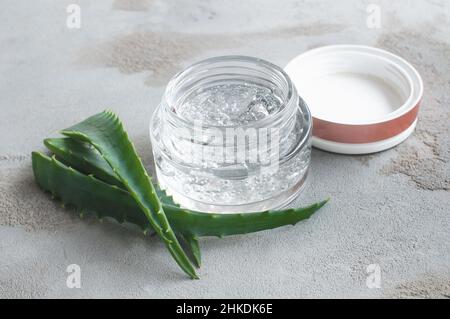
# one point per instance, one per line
(89, 193)
(85, 191)
(88, 160)
(208, 224)
(105, 132)
(83, 157)
(194, 247)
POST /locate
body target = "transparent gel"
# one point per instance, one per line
(201, 106)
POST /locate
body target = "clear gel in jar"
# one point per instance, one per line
(231, 135)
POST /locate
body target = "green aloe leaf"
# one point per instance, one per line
(88, 160)
(112, 199)
(95, 196)
(194, 247)
(206, 224)
(83, 157)
(106, 134)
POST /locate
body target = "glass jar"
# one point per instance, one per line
(231, 135)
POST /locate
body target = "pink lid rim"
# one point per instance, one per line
(364, 133)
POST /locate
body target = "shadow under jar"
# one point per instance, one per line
(231, 135)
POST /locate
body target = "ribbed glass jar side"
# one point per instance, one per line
(200, 161)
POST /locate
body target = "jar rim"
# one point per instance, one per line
(288, 100)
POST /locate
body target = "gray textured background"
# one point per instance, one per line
(391, 208)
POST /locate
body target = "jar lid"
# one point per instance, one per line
(362, 99)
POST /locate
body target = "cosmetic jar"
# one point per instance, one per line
(231, 134)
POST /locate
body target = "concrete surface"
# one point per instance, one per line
(390, 209)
